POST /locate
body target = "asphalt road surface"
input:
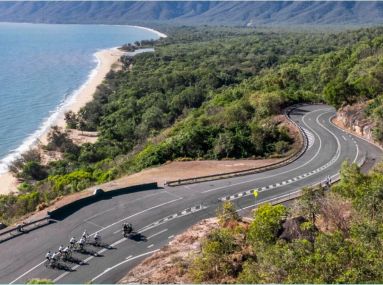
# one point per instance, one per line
(158, 215)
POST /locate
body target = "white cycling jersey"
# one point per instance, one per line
(55, 256)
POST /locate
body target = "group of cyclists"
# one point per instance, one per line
(65, 253)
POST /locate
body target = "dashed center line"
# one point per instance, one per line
(157, 233)
(183, 213)
(283, 183)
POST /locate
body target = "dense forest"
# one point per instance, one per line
(196, 12)
(205, 93)
(327, 237)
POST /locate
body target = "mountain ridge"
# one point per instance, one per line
(195, 12)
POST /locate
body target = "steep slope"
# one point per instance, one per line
(195, 12)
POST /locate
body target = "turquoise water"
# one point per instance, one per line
(41, 66)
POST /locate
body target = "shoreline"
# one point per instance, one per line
(106, 59)
(158, 33)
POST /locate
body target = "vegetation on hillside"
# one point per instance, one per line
(205, 93)
(328, 237)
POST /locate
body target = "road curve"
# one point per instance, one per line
(159, 214)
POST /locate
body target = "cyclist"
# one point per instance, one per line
(81, 243)
(19, 228)
(48, 256)
(66, 252)
(72, 242)
(97, 239)
(55, 258)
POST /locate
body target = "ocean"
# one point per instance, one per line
(41, 67)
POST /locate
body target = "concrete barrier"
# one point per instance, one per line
(11, 232)
(98, 195)
(68, 209)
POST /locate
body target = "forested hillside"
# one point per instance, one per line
(203, 94)
(252, 13)
(327, 237)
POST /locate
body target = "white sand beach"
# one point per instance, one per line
(161, 35)
(107, 60)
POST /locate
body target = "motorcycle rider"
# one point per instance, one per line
(127, 228)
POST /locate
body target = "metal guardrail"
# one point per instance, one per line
(22, 228)
(226, 175)
(298, 193)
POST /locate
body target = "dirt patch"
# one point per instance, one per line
(8, 184)
(81, 137)
(170, 264)
(182, 170)
(186, 169)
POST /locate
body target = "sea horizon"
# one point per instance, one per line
(24, 136)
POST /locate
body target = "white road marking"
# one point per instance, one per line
(304, 175)
(310, 137)
(122, 262)
(158, 233)
(104, 228)
(136, 214)
(86, 260)
(118, 242)
(149, 246)
(344, 138)
(170, 237)
(111, 209)
(130, 256)
(181, 214)
(287, 171)
(156, 207)
(94, 224)
(30, 270)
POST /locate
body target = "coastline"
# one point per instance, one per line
(107, 60)
(161, 35)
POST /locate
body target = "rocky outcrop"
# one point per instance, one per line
(171, 263)
(354, 118)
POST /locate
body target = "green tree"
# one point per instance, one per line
(267, 224)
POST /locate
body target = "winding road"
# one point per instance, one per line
(160, 214)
